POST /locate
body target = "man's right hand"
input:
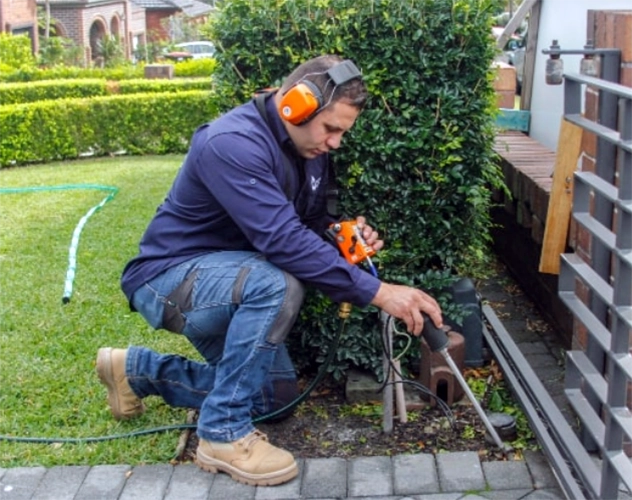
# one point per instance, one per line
(407, 304)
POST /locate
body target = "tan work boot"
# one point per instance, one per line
(250, 460)
(111, 370)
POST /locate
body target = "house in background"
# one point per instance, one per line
(19, 17)
(166, 19)
(86, 22)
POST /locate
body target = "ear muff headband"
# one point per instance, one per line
(304, 99)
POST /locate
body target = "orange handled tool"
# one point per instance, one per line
(350, 242)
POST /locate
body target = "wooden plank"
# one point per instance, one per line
(559, 212)
(528, 70)
(514, 22)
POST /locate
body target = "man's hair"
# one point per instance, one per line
(353, 92)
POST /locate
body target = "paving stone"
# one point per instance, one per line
(510, 475)
(504, 494)
(335, 472)
(537, 347)
(20, 483)
(225, 488)
(190, 482)
(543, 360)
(544, 495)
(103, 482)
(444, 496)
(460, 471)
(540, 469)
(414, 474)
(61, 483)
(370, 476)
(287, 491)
(147, 481)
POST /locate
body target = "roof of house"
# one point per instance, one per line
(192, 8)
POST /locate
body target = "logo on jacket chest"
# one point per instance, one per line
(315, 183)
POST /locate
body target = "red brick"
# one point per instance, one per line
(540, 201)
(572, 233)
(505, 77)
(591, 105)
(537, 229)
(523, 215)
(626, 76)
(505, 99)
(588, 164)
(584, 239)
(20, 14)
(622, 35)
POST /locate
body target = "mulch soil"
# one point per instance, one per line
(326, 425)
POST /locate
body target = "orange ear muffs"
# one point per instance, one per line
(300, 102)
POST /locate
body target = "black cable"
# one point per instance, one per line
(447, 411)
(302, 397)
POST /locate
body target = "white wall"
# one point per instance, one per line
(564, 21)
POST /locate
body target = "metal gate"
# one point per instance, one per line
(599, 295)
(597, 379)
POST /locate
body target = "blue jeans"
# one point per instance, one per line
(236, 309)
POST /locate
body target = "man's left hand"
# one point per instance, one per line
(371, 236)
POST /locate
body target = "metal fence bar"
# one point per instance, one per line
(597, 379)
(556, 437)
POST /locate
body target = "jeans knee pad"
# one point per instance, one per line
(294, 294)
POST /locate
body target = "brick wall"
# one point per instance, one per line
(17, 16)
(155, 20)
(505, 84)
(18, 13)
(76, 22)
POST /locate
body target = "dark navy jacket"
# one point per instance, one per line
(230, 194)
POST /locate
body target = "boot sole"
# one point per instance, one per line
(270, 479)
(104, 371)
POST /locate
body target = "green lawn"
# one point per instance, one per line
(48, 385)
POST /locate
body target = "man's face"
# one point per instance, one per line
(324, 132)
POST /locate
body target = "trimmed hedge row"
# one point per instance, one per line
(190, 68)
(150, 123)
(15, 93)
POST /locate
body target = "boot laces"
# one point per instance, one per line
(251, 439)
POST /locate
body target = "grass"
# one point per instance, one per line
(48, 385)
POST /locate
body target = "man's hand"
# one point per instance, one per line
(402, 302)
(369, 234)
(407, 304)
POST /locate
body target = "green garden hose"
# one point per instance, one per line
(319, 376)
(74, 243)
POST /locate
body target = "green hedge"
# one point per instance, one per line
(15, 93)
(154, 123)
(159, 85)
(419, 162)
(191, 68)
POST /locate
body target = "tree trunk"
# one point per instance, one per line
(47, 28)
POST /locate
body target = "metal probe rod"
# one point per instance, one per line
(470, 394)
(438, 341)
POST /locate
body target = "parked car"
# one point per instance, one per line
(191, 50)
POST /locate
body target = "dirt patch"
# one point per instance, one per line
(325, 425)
